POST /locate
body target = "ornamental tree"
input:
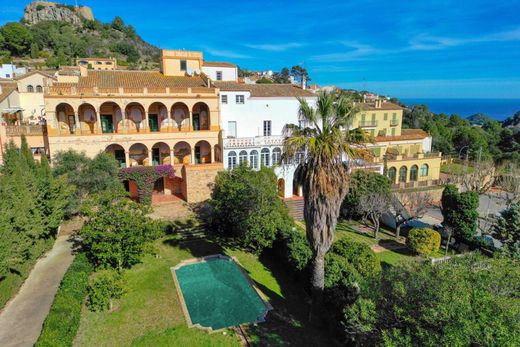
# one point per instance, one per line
(507, 227)
(460, 212)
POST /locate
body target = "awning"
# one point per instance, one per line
(12, 110)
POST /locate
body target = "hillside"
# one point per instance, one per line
(52, 34)
(478, 119)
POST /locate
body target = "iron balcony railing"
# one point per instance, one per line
(368, 123)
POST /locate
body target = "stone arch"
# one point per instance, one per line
(138, 154)
(118, 152)
(87, 118)
(161, 154)
(157, 116)
(201, 116)
(182, 153)
(202, 153)
(111, 117)
(65, 118)
(135, 113)
(181, 116)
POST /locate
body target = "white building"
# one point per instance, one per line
(220, 71)
(11, 71)
(253, 117)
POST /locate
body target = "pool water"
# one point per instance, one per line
(218, 294)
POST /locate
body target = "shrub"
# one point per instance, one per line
(61, 325)
(423, 240)
(105, 286)
(294, 248)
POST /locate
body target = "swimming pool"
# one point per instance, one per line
(216, 293)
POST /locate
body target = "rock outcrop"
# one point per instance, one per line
(39, 11)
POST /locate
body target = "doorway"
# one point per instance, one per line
(107, 125)
(72, 124)
(196, 121)
(156, 156)
(153, 123)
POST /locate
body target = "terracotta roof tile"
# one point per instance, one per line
(137, 79)
(266, 90)
(406, 134)
(218, 64)
(384, 106)
(34, 72)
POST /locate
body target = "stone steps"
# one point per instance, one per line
(295, 208)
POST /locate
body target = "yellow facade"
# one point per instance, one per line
(98, 63)
(379, 119)
(179, 62)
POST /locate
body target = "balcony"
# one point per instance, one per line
(406, 156)
(95, 91)
(27, 130)
(368, 124)
(257, 141)
(394, 122)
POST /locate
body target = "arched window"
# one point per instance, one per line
(277, 156)
(424, 170)
(39, 89)
(402, 174)
(253, 159)
(414, 170)
(30, 89)
(264, 154)
(391, 174)
(232, 159)
(242, 157)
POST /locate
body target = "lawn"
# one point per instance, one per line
(149, 314)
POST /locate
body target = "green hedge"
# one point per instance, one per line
(61, 325)
(423, 240)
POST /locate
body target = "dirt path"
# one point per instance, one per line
(22, 318)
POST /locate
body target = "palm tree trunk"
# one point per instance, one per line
(317, 285)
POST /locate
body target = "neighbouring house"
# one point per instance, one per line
(11, 71)
(97, 63)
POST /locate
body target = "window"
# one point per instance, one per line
(391, 174)
(264, 154)
(413, 173)
(267, 128)
(99, 63)
(393, 131)
(232, 129)
(219, 75)
(39, 89)
(373, 117)
(277, 156)
(394, 116)
(184, 65)
(253, 159)
(402, 174)
(242, 157)
(7, 75)
(224, 99)
(30, 89)
(239, 99)
(424, 170)
(232, 159)
(386, 116)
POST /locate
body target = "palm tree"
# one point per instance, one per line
(321, 147)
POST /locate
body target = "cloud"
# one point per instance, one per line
(423, 42)
(275, 47)
(226, 53)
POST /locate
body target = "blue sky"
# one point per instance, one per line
(456, 49)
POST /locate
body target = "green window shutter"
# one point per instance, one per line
(386, 116)
(394, 115)
(393, 131)
(373, 116)
(363, 117)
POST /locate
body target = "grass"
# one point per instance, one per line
(149, 314)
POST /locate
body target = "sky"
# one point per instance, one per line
(407, 49)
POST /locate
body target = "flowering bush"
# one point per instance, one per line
(145, 177)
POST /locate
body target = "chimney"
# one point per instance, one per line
(304, 82)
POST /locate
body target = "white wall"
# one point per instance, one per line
(228, 73)
(250, 116)
(11, 71)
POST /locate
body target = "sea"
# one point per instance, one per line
(498, 109)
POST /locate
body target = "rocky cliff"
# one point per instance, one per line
(39, 11)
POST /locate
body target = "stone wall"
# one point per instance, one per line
(198, 181)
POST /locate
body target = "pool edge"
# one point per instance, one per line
(261, 295)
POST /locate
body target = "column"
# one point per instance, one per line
(146, 126)
(170, 120)
(190, 127)
(127, 158)
(172, 156)
(77, 124)
(211, 154)
(98, 122)
(150, 163)
(192, 156)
